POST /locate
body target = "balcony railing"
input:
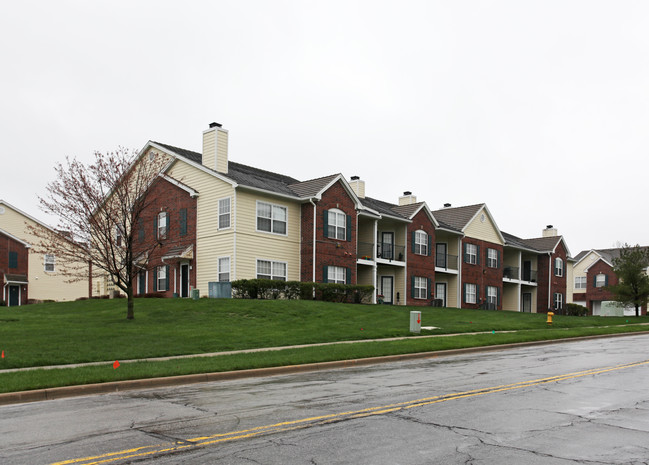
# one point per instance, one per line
(530, 275)
(388, 251)
(514, 272)
(446, 261)
(365, 250)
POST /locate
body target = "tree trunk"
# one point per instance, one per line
(637, 310)
(129, 298)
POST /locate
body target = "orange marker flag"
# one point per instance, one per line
(115, 364)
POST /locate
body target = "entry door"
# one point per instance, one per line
(141, 282)
(440, 255)
(527, 302)
(527, 270)
(14, 296)
(440, 293)
(184, 280)
(386, 289)
(387, 246)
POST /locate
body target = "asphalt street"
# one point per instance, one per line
(568, 403)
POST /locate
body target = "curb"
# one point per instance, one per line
(38, 395)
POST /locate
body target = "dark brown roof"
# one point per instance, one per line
(458, 217)
(311, 187)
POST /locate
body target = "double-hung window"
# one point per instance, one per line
(336, 225)
(163, 223)
(162, 278)
(601, 280)
(49, 262)
(224, 269)
(558, 301)
(471, 254)
(470, 293)
(271, 218)
(268, 269)
(558, 267)
(224, 213)
(421, 243)
(336, 274)
(420, 287)
(492, 258)
(580, 282)
(492, 296)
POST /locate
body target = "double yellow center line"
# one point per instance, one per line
(203, 441)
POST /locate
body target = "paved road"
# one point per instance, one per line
(584, 402)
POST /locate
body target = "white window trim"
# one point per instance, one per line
(337, 212)
(558, 301)
(257, 260)
(222, 228)
(474, 254)
(597, 279)
(558, 270)
(162, 268)
(51, 261)
(474, 293)
(166, 225)
(271, 218)
(494, 258)
(219, 271)
(583, 282)
(421, 248)
(494, 296)
(421, 291)
(335, 269)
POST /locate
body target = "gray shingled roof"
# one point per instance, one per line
(543, 244)
(458, 217)
(382, 207)
(607, 254)
(311, 187)
(407, 210)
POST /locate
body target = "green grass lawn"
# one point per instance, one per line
(97, 330)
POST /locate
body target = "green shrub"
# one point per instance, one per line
(576, 310)
(329, 292)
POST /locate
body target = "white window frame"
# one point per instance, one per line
(161, 274)
(273, 209)
(163, 217)
(337, 274)
(222, 271)
(600, 280)
(492, 295)
(274, 264)
(421, 242)
(492, 258)
(470, 290)
(558, 300)
(225, 204)
(337, 222)
(581, 282)
(421, 287)
(49, 260)
(472, 254)
(558, 267)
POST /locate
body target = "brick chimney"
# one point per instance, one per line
(407, 198)
(358, 186)
(215, 148)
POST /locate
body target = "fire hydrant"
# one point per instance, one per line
(550, 315)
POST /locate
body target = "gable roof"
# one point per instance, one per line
(17, 239)
(457, 217)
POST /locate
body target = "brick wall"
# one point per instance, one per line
(556, 284)
(167, 197)
(329, 251)
(480, 274)
(7, 245)
(420, 265)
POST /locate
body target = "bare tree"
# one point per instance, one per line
(99, 206)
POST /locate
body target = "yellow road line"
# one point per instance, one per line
(330, 418)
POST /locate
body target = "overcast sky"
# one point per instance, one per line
(539, 109)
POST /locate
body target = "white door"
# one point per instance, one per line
(440, 293)
(386, 289)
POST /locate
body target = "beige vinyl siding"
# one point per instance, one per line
(578, 269)
(222, 151)
(209, 143)
(484, 230)
(365, 275)
(400, 286)
(451, 291)
(42, 285)
(253, 245)
(210, 242)
(511, 296)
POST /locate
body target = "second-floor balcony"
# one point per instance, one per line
(514, 273)
(390, 252)
(446, 261)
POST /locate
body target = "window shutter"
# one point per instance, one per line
(349, 276)
(326, 225)
(167, 277)
(605, 280)
(155, 227)
(477, 254)
(498, 296)
(412, 245)
(412, 286)
(497, 258)
(428, 288)
(464, 293)
(430, 240)
(595, 281)
(466, 254)
(155, 279)
(349, 228)
(183, 221)
(325, 274)
(477, 294)
(140, 232)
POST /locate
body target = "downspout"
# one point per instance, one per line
(314, 236)
(550, 280)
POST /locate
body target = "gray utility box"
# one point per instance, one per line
(415, 322)
(219, 290)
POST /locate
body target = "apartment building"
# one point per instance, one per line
(14, 265)
(218, 220)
